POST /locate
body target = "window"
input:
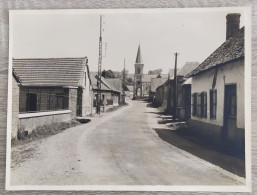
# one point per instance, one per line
(203, 105)
(43, 99)
(213, 103)
(194, 104)
(31, 104)
(200, 104)
(138, 71)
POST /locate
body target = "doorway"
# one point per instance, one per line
(230, 112)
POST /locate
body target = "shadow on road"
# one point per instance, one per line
(229, 163)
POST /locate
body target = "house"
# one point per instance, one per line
(109, 93)
(183, 109)
(218, 90)
(48, 90)
(165, 94)
(131, 91)
(116, 83)
(155, 83)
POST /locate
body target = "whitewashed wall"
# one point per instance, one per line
(232, 73)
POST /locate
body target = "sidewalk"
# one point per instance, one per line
(183, 139)
(195, 147)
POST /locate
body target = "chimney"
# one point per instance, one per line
(233, 24)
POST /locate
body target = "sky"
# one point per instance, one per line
(194, 34)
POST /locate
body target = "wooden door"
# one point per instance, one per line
(230, 112)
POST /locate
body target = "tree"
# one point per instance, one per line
(157, 71)
(108, 74)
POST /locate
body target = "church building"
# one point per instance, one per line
(138, 75)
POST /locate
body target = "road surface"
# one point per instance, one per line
(119, 148)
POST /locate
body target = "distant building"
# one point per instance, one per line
(117, 85)
(49, 90)
(218, 90)
(155, 83)
(110, 93)
(138, 87)
(164, 95)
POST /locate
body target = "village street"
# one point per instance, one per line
(120, 148)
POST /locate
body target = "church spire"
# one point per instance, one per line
(139, 59)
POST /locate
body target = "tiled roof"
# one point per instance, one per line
(147, 77)
(116, 83)
(105, 84)
(50, 71)
(131, 88)
(230, 50)
(156, 82)
(187, 68)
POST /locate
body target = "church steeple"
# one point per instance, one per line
(139, 66)
(139, 58)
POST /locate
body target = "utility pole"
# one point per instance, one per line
(124, 73)
(175, 89)
(98, 106)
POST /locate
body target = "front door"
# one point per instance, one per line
(230, 112)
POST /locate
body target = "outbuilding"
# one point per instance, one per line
(49, 90)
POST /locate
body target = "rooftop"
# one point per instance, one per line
(50, 71)
(230, 50)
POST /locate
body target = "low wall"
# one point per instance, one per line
(30, 121)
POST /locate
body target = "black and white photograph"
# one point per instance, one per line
(129, 99)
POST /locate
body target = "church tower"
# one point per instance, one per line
(138, 75)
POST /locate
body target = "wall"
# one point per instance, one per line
(86, 95)
(30, 121)
(232, 73)
(146, 88)
(73, 101)
(15, 108)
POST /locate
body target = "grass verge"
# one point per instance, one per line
(42, 132)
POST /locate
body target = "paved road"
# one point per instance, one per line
(118, 148)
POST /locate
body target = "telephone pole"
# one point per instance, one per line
(98, 105)
(124, 73)
(175, 89)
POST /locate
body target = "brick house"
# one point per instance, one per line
(218, 90)
(47, 90)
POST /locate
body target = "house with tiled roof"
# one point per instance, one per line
(162, 89)
(218, 90)
(111, 91)
(155, 83)
(117, 85)
(48, 90)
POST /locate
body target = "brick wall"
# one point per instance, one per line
(15, 108)
(73, 101)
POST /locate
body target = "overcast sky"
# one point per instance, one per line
(194, 35)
